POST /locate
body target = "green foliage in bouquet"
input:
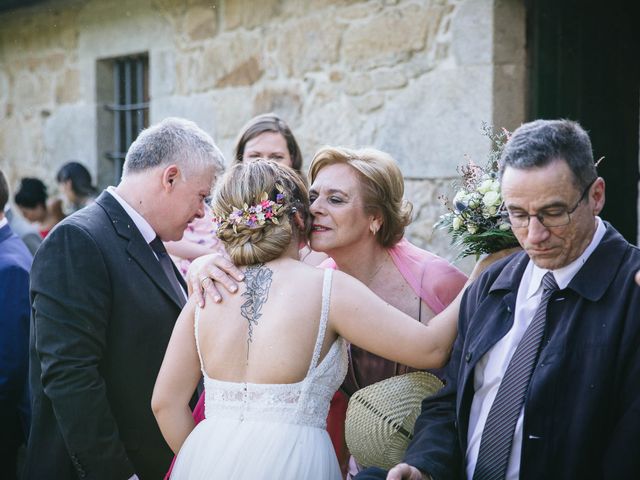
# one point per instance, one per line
(475, 215)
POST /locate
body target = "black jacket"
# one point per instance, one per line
(581, 417)
(102, 314)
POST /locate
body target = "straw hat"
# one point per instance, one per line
(380, 417)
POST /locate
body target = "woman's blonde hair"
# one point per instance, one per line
(244, 184)
(382, 187)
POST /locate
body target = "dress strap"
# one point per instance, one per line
(324, 316)
(196, 323)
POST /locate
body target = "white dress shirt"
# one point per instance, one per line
(491, 368)
(3, 222)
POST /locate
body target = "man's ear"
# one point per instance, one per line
(597, 195)
(169, 177)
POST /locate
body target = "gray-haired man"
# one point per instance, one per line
(104, 302)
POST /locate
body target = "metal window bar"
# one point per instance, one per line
(130, 107)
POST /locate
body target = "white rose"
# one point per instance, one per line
(495, 185)
(457, 223)
(461, 196)
(491, 198)
(471, 228)
(504, 227)
(485, 186)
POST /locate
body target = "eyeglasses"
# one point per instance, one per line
(555, 217)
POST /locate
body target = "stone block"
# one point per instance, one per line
(360, 10)
(68, 87)
(31, 89)
(163, 71)
(358, 84)
(509, 35)
(369, 102)
(199, 108)
(66, 134)
(387, 79)
(437, 120)
(246, 73)
(391, 36)
(472, 32)
(286, 100)
(200, 22)
(133, 27)
(509, 96)
(249, 13)
(309, 44)
(233, 59)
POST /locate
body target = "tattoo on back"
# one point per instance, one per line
(258, 280)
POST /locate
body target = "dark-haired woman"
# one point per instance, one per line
(75, 184)
(33, 202)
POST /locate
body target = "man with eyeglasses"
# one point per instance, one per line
(544, 377)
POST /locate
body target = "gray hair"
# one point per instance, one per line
(538, 143)
(173, 140)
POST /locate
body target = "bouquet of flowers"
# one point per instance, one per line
(475, 215)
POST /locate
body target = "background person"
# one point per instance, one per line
(34, 204)
(15, 263)
(98, 342)
(269, 137)
(76, 186)
(27, 232)
(543, 378)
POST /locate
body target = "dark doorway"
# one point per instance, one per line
(584, 64)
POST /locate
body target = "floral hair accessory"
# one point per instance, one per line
(254, 215)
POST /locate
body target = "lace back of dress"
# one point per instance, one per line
(305, 402)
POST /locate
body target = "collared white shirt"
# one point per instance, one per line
(147, 231)
(491, 368)
(4, 222)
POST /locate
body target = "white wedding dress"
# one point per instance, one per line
(268, 431)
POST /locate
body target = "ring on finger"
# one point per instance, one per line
(202, 280)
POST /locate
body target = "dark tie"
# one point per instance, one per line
(497, 436)
(167, 266)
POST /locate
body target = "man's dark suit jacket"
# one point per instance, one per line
(102, 314)
(15, 263)
(581, 417)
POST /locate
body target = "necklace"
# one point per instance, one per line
(376, 272)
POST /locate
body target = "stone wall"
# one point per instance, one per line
(413, 77)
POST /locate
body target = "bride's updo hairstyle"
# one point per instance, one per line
(247, 200)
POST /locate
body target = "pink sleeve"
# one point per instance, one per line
(432, 278)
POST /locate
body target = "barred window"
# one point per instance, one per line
(123, 111)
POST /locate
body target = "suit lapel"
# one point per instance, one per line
(137, 248)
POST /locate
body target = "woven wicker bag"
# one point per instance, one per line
(380, 417)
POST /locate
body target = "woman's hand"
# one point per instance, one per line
(208, 272)
(484, 262)
(638, 277)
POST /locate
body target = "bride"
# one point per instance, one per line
(273, 356)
